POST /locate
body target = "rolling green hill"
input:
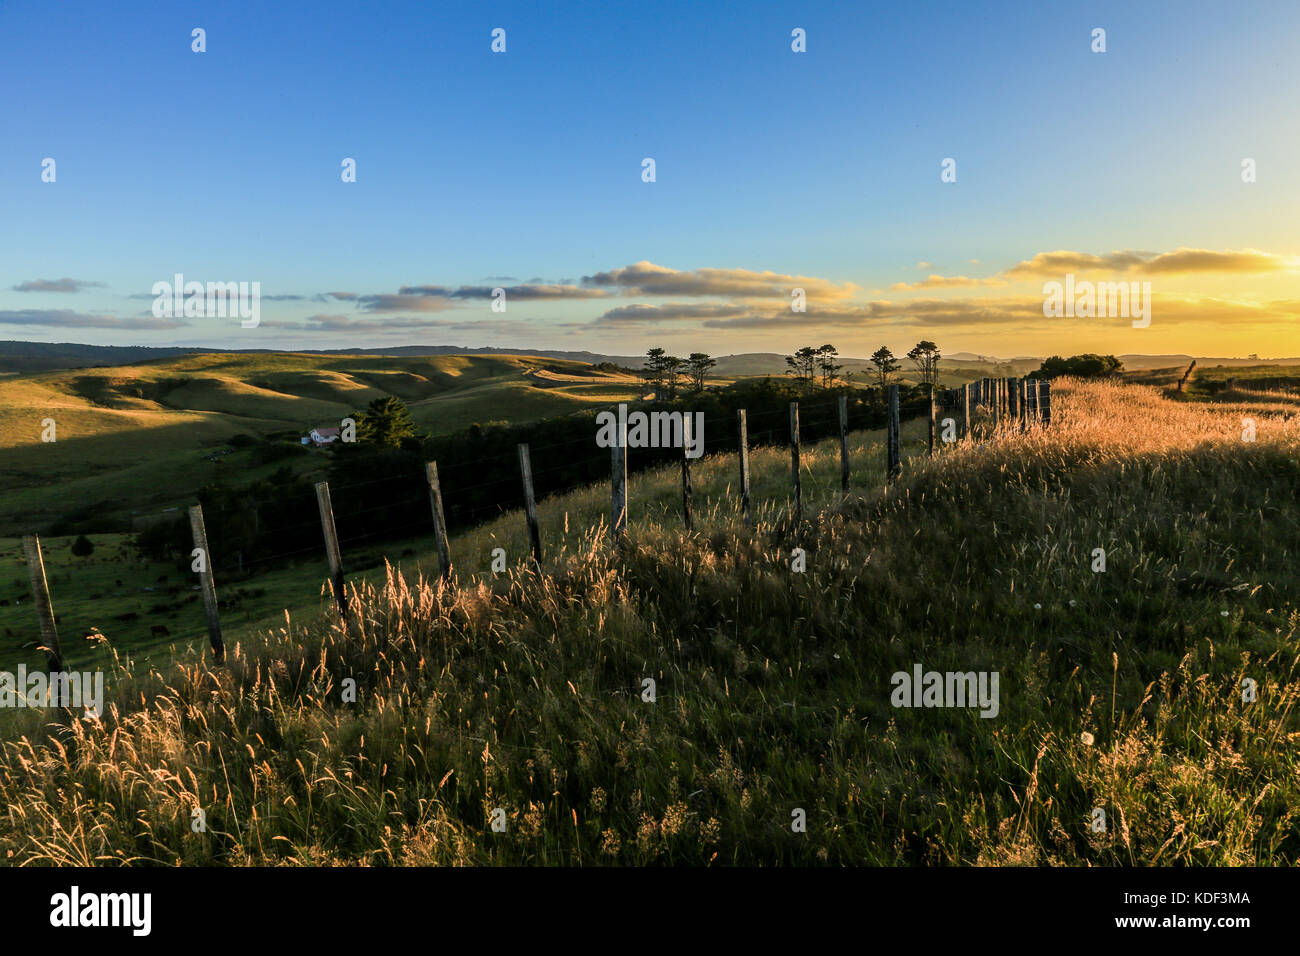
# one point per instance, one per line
(140, 438)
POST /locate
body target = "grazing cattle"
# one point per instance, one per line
(160, 630)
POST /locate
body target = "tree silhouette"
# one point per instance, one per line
(925, 356)
(697, 366)
(885, 363)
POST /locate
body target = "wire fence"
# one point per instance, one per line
(507, 482)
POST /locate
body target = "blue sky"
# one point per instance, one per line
(483, 169)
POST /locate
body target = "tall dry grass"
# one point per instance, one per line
(1119, 689)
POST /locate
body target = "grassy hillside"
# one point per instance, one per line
(1120, 689)
(122, 597)
(145, 437)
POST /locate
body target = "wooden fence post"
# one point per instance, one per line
(844, 443)
(332, 546)
(439, 519)
(1013, 401)
(1045, 404)
(530, 504)
(995, 403)
(686, 471)
(618, 485)
(744, 466)
(1033, 403)
(794, 461)
(208, 586)
(44, 609)
(965, 411)
(895, 462)
(932, 419)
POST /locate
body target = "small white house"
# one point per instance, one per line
(322, 436)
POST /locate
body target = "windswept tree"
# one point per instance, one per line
(925, 356)
(885, 363)
(803, 364)
(826, 364)
(698, 365)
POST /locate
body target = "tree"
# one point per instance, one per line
(83, 547)
(826, 356)
(803, 363)
(885, 363)
(662, 372)
(1088, 365)
(674, 369)
(925, 356)
(386, 421)
(697, 366)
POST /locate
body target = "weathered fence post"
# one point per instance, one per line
(965, 411)
(530, 504)
(995, 403)
(1045, 404)
(932, 419)
(686, 471)
(1033, 403)
(1013, 401)
(895, 462)
(44, 609)
(844, 443)
(206, 584)
(618, 485)
(439, 519)
(744, 465)
(332, 546)
(794, 461)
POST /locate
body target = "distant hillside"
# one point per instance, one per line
(52, 356)
(960, 366)
(148, 435)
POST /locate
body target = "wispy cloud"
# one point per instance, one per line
(56, 285)
(647, 279)
(1180, 261)
(66, 318)
(674, 312)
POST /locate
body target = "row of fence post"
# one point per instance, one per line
(1017, 398)
(1023, 402)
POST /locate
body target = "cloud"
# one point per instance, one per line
(66, 318)
(405, 303)
(1013, 314)
(438, 298)
(646, 278)
(520, 292)
(674, 312)
(1180, 261)
(399, 323)
(56, 285)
